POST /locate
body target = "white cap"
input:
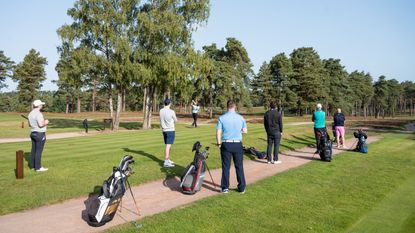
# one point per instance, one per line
(37, 103)
(319, 106)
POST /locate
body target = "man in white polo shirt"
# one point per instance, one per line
(37, 135)
(167, 120)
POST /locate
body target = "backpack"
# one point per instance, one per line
(257, 153)
(194, 174)
(361, 146)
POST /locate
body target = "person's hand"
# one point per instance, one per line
(46, 122)
(219, 145)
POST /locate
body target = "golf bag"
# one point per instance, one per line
(325, 145)
(194, 174)
(361, 141)
(104, 207)
(257, 153)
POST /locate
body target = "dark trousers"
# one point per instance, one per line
(233, 150)
(38, 142)
(194, 115)
(273, 139)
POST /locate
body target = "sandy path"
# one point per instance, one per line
(154, 197)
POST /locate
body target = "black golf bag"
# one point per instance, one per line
(361, 142)
(325, 145)
(254, 151)
(104, 207)
(194, 174)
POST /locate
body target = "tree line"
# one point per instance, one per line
(120, 55)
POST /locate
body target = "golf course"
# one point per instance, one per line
(355, 193)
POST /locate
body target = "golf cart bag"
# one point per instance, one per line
(325, 145)
(194, 174)
(257, 153)
(361, 141)
(104, 207)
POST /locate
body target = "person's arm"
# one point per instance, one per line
(313, 118)
(174, 117)
(265, 122)
(280, 122)
(244, 127)
(41, 122)
(218, 137)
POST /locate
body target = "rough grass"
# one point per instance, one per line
(78, 165)
(356, 193)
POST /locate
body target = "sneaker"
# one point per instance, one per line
(170, 161)
(168, 164)
(42, 169)
(224, 191)
(277, 162)
(242, 192)
(269, 162)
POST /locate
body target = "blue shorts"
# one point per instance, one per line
(169, 137)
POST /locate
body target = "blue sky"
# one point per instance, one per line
(374, 36)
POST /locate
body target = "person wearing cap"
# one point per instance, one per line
(319, 119)
(273, 127)
(338, 122)
(229, 131)
(167, 120)
(38, 135)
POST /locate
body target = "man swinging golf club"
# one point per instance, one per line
(229, 131)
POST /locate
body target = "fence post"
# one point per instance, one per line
(19, 164)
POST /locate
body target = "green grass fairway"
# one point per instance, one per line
(356, 193)
(78, 165)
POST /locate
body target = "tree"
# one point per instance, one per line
(381, 92)
(337, 85)
(6, 67)
(308, 75)
(282, 81)
(30, 73)
(362, 91)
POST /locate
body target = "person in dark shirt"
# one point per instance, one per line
(339, 119)
(273, 127)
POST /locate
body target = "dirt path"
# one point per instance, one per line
(154, 197)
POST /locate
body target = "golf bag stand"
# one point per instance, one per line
(105, 206)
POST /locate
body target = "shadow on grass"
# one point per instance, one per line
(170, 180)
(27, 158)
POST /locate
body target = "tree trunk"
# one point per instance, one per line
(67, 105)
(144, 99)
(78, 104)
(118, 112)
(123, 100)
(147, 108)
(94, 95)
(111, 106)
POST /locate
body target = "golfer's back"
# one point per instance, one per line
(167, 119)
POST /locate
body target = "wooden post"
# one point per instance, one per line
(22, 124)
(19, 164)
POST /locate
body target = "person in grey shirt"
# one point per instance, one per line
(167, 120)
(38, 135)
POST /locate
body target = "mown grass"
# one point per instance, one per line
(78, 165)
(356, 193)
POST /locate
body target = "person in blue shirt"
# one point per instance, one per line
(229, 131)
(319, 119)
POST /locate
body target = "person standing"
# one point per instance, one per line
(339, 119)
(273, 127)
(167, 120)
(38, 127)
(319, 119)
(195, 110)
(229, 131)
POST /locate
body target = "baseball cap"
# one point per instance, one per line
(37, 103)
(167, 102)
